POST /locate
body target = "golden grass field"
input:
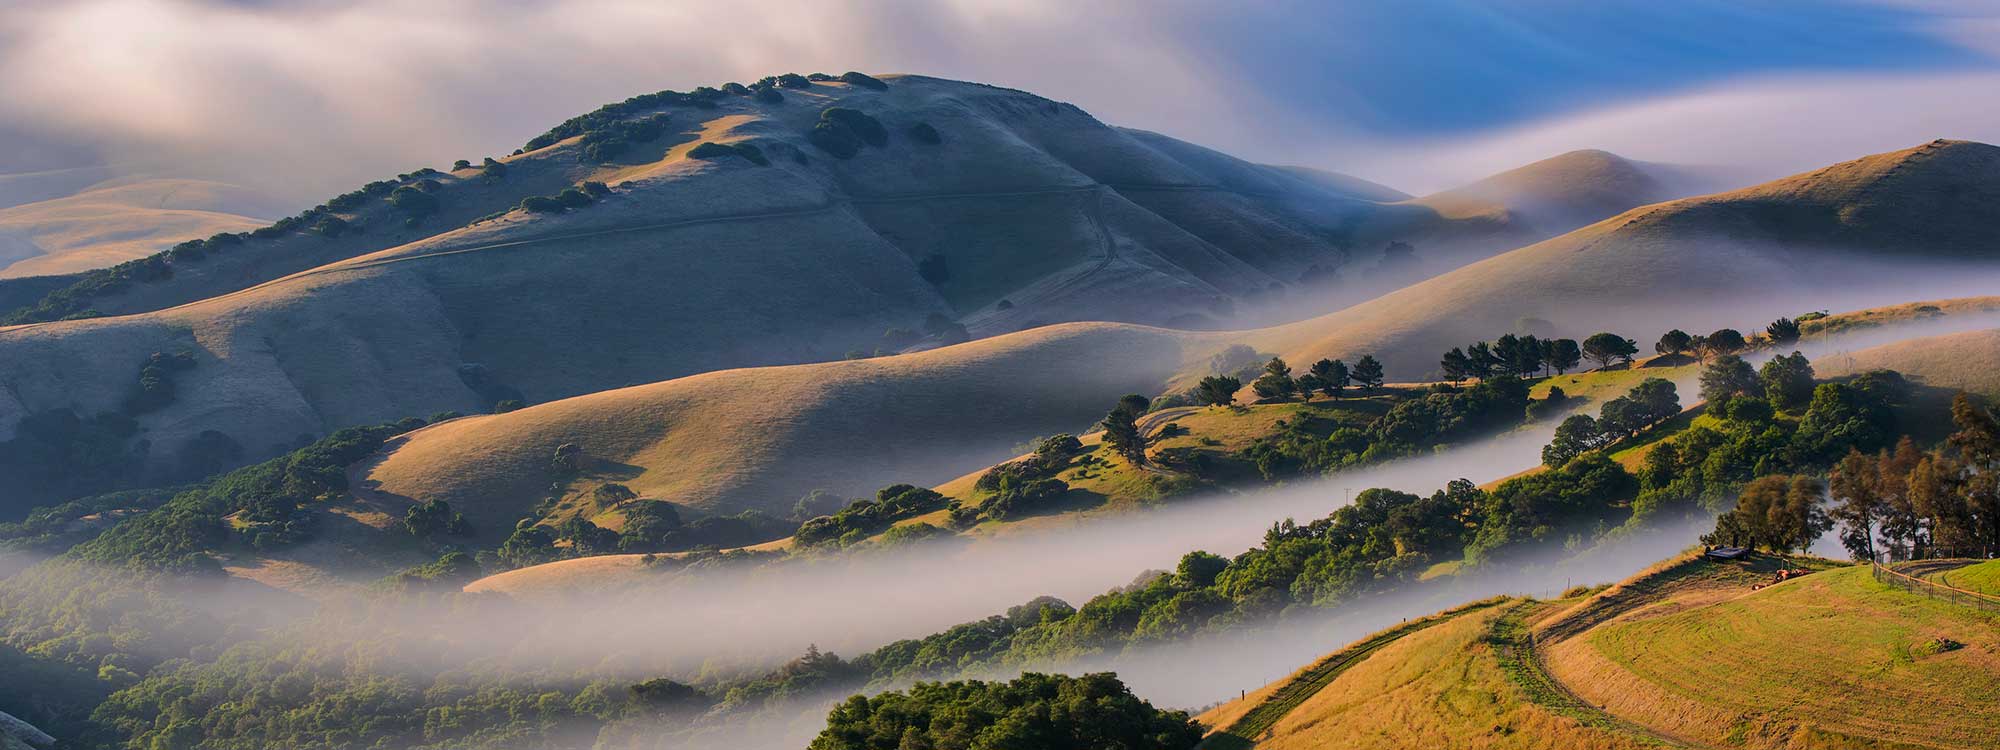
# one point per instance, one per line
(1443, 686)
(1686, 653)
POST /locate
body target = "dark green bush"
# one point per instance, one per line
(924, 133)
(413, 200)
(541, 204)
(863, 80)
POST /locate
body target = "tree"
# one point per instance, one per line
(1562, 354)
(1135, 403)
(1799, 520)
(586, 538)
(1479, 360)
(1783, 331)
(568, 459)
(1675, 342)
(1337, 377)
(434, 518)
(1455, 365)
(1276, 382)
(1621, 417)
(1368, 372)
(1657, 399)
(1726, 378)
(1576, 436)
(1218, 390)
(1518, 355)
(1724, 341)
(1777, 512)
(1787, 380)
(1332, 376)
(1198, 569)
(1606, 346)
(1858, 504)
(1121, 432)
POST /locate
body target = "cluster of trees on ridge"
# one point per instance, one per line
(1896, 504)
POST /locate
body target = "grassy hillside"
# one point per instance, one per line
(1831, 660)
(725, 235)
(117, 221)
(1967, 361)
(1435, 682)
(1758, 253)
(1686, 654)
(737, 439)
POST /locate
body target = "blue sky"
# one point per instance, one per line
(316, 95)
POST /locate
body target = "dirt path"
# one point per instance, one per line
(1523, 660)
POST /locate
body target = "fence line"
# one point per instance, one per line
(1935, 590)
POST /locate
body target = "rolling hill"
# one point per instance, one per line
(121, 220)
(1687, 654)
(1872, 231)
(1966, 361)
(722, 237)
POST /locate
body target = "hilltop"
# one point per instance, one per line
(719, 229)
(1761, 252)
(1687, 654)
(1558, 193)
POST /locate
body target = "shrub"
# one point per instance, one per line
(330, 227)
(413, 200)
(461, 164)
(493, 168)
(541, 204)
(924, 133)
(863, 80)
(714, 150)
(842, 131)
(735, 88)
(769, 95)
(574, 198)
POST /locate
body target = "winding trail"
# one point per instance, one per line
(1526, 665)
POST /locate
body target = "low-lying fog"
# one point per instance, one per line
(749, 618)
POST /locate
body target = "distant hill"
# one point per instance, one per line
(1558, 193)
(1853, 234)
(726, 235)
(120, 220)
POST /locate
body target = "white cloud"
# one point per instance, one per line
(1747, 131)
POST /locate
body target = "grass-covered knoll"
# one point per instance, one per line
(1833, 659)
(1441, 686)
